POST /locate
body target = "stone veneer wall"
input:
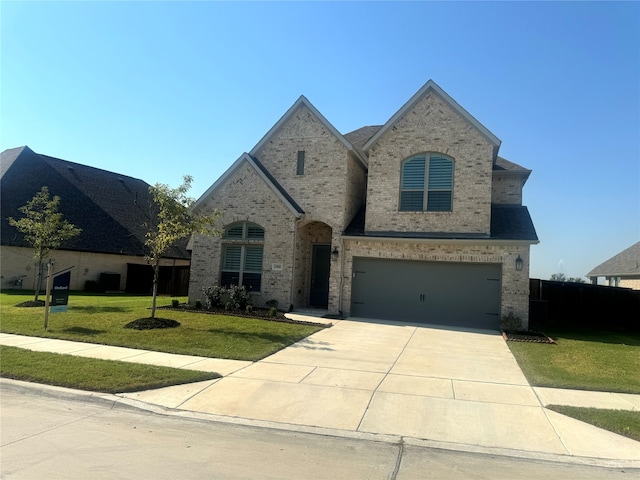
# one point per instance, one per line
(245, 197)
(506, 190)
(431, 126)
(515, 284)
(322, 190)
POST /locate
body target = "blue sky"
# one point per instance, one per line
(156, 90)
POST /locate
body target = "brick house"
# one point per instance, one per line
(416, 220)
(110, 208)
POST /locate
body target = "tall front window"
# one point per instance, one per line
(426, 183)
(242, 255)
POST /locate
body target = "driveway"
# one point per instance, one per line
(445, 386)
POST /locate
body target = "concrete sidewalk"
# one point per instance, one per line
(453, 389)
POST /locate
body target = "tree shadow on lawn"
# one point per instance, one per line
(600, 336)
(271, 337)
(94, 309)
(88, 332)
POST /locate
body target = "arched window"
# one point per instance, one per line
(426, 183)
(242, 255)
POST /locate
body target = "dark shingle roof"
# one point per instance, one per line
(512, 222)
(626, 263)
(508, 222)
(359, 137)
(110, 208)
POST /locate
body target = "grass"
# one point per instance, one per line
(101, 318)
(622, 422)
(585, 360)
(95, 375)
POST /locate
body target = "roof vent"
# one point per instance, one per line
(70, 168)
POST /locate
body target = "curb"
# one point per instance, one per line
(113, 401)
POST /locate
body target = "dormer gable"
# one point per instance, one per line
(299, 104)
(432, 87)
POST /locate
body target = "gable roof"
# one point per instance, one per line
(109, 208)
(625, 263)
(260, 169)
(302, 101)
(431, 86)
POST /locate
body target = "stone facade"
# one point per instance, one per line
(338, 179)
(431, 126)
(515, 284)
(506, 189)
(245, 197)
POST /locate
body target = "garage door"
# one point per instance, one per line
(441, 293)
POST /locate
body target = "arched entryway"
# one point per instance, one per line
(313, 265)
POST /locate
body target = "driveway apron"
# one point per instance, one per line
(425, 382)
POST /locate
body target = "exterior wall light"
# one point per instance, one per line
(519, 263)
(334, 253)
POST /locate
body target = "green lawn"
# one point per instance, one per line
(91, 374)
(622, 422)
(101, 319)
(586, 360)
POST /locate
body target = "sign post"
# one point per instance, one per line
(58, 297)
(60, 292)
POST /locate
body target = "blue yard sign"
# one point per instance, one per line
(60, 292)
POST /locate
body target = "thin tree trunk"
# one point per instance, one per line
(38, 281)
(156, 269)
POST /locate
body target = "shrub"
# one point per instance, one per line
(175, 302)
(273, 303)
(510, 323)
(249, 309)
(273, 311)
(214, 296)
(198, 305)
(228, 306)
(240, 297)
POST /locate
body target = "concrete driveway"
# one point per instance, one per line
(451, 387)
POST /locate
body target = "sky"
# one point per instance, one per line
(156, 90)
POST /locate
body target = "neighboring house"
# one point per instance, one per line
(109, 208)
(621, 270)
(416, 220)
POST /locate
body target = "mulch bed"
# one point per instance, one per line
(151, 323)
(530, 337)
(31, 303)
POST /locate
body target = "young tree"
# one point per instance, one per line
(173, 220)
(43, 228)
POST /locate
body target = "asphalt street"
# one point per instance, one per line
(49, 436)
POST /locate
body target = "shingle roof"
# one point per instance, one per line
(512, 222)
(625, 263)
(110, 208)
(508, 222)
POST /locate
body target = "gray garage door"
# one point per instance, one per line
(441, 293)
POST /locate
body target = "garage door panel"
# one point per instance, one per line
(427, 292)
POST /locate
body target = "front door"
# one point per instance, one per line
(320, 268)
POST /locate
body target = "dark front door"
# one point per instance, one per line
(320, 268)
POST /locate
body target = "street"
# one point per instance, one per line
(62, 437)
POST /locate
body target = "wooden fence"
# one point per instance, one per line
(558, 304)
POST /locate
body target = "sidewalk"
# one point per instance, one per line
(383, 384)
